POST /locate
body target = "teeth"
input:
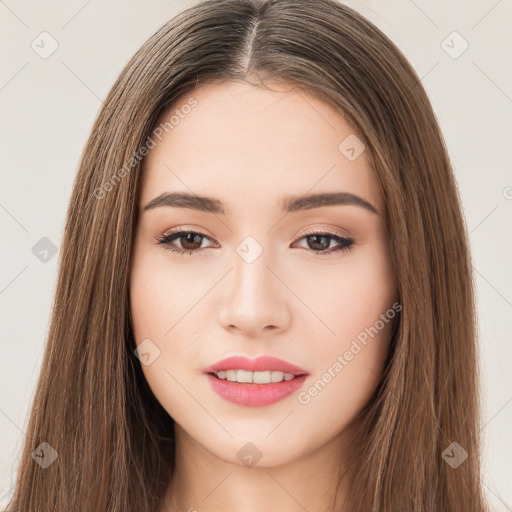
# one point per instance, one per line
(245, 376)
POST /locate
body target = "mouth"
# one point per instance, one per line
(259, 382)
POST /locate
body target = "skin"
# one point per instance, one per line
(249, 147)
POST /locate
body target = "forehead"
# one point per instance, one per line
(252, 146)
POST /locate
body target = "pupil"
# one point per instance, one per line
(319, 245)
(189, 238)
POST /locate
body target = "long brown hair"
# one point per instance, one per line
(92, 404)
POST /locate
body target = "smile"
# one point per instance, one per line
(253, 394)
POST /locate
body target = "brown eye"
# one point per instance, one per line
(189, 242)
(321, 243)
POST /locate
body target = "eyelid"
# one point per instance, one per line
(322, 231)
(187, 229)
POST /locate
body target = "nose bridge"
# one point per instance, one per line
(251, 273)
(253, 299)
(252, 278)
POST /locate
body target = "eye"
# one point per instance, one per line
(191, 242)
(320, 242)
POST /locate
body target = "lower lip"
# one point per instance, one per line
(255, 395)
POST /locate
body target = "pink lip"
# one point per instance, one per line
(260, 364)
(255, 395)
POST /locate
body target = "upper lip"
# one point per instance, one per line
(260, 364)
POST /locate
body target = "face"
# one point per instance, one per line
(260, 270)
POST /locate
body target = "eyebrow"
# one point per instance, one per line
(288, 204)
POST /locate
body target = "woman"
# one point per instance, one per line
(264, 297)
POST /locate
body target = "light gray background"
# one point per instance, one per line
(48, 106)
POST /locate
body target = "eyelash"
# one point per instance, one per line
(165, 240)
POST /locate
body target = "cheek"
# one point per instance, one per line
(351, 296)
(356, 304)
(159, 296)
(167, 306)
(160, 303)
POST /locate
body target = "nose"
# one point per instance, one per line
(255, 300)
